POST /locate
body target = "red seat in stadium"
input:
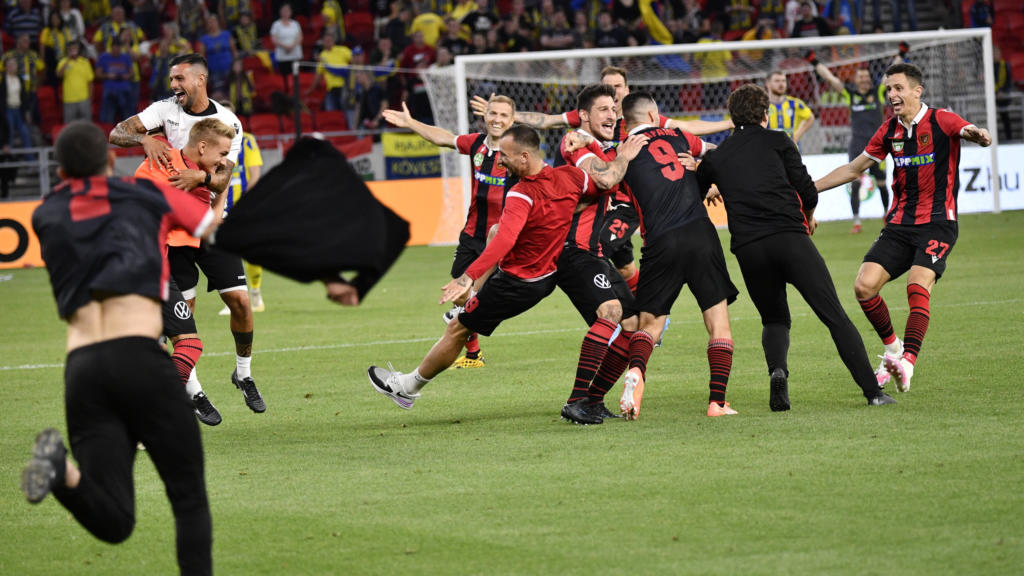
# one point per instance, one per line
(834, 115)
(691, 98)
(331, 121)
(359, 28)
(264, 124)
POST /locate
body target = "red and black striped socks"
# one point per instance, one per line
(186, 354)
(878, 314)
(720, 364)
(592, 354)
(614, 364)
(917, 322)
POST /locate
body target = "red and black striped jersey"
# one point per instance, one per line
(666, 195)
(926, 165)
(489, 175)
(585, 230)
(107, 235)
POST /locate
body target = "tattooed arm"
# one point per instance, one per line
(132, 132)
(607, 174)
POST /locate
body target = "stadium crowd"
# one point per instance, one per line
(105, 59)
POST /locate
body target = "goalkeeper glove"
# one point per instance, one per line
(812, 58)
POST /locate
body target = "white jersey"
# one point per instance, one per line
(176, 122)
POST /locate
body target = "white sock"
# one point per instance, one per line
(894, 349)
(242, 366)
(413, 382)
(193, 387)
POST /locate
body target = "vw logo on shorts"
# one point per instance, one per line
(182, 311)
(601, 282)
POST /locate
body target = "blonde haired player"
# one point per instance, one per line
(246, 171)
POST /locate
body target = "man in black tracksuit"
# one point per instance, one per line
(770, 199)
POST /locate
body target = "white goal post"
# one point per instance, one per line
(957, 67)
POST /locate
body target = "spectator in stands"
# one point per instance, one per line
(114, 68)
(898, 6)
(513, 37)
(741, 15)
(480, 20)
(397, 27)
(241, 89)
(844, 14)
(717, 10)
(694, 16)
(130, 47)
(247, 37)
(334, 18)
(430, 23)
(76, 74)
(463, 8)
(1004, 88)
(372, 102)
(557, 35)
(24, 19)
(681, 31)
(417, 55)
(191, 16)
(287, 36)
(167, 47)
(582, 35)
(608, 34)
(53, 45)
(72, 19)
(775, 10)
(146, 15)
(444, 58)
(385, 56)
(219, 49)
(523, 17)
(333, 71)
(793, 8)
(478, 44)
(809, 25)
(230, 12)
(30, 69)
(93, 11)
(110, 31)
(17, 112)
(981, 14)
(714, 66)
(765, 30)
(453, 37)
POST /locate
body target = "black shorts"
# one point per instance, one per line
(502, 297)
(224, 272)
(620, 222)
(590, 281)
(691, 255)
(178, 318)
(466, 252)
(899, 247)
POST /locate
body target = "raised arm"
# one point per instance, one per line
(433, 134)
(537, 120)
(845, 173)
(829, 77)
(701, 127)
(979, 136)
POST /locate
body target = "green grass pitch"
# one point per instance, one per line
(482, 476)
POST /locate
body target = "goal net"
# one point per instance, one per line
(693, 81)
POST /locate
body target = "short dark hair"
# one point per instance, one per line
(523, 136)
(610, 70)
(909, 70)
(193, 59)
(632, 103)
(586, 98)
(81, 149)
(748, 104)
